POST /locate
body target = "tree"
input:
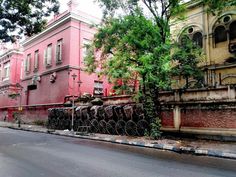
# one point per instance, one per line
(134, 43)
(216, 6)
(26, 17)
(187, 55)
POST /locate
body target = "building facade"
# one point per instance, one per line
(211, 109)
(10, 71)
(216, 34)
(51, 66)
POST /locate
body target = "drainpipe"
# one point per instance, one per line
(27, 97)
(79, 72)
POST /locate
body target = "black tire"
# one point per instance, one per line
(120, 127)
(77, 123)
(94, 126)
(67, 124)
(51, 123)
(111, 127)
(55, 123)
(142, 125)
(87, 123)
(80, 126)
(102, 126)
(131, 128)
(61, 124)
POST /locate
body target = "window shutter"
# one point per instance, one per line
(56, 51)
(45, 57)
(25, 64)
(60, 56)
(28, 63)
(49, 56)
(36, 58)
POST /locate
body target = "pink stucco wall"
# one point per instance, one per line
(72, 32)
(14, 57)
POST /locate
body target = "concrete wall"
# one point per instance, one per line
(29, 114)
(206, 111)
(204, 94)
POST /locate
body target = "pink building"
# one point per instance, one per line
(53, 65)
(10, 70)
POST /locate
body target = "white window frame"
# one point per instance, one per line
(36, 60)
(58, 50)
(6, 68)
(27, 63)
(48, 55)
(0, 73)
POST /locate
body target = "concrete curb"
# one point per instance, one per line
(165, 147)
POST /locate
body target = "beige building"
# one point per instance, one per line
(216, 34)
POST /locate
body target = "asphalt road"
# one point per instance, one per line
(26, 154)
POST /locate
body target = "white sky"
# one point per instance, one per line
(88, 6)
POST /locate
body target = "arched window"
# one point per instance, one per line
(232, 30)
(220, 34)
(197, 39)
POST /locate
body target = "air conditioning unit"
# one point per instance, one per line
(232, 47)
(33, 84)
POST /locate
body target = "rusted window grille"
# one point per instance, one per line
(220, 34)
(232, 30)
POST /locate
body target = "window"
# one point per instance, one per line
(197, 39)
(192, 34)
(98, 88)
(36, 60)
(220, 34)
(86, 42)
(59, 51)
(27, 63)
(48, 55)
(6, 71)
(232, 30)
(0, 73)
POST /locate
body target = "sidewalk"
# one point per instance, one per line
(196, 147)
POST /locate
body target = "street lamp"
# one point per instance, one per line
(73, 102)
(79, 84)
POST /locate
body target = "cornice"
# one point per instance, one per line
(10, 52)
(47, 72)
(54, 25)
(193, 3)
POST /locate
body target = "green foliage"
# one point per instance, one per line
(132, 50)
(135, 47)
(130, 47)
(217, 6)
(13, 95)
(16, 115)
(24, 16)
(154, 132)
(186, 56)
(155, 129)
